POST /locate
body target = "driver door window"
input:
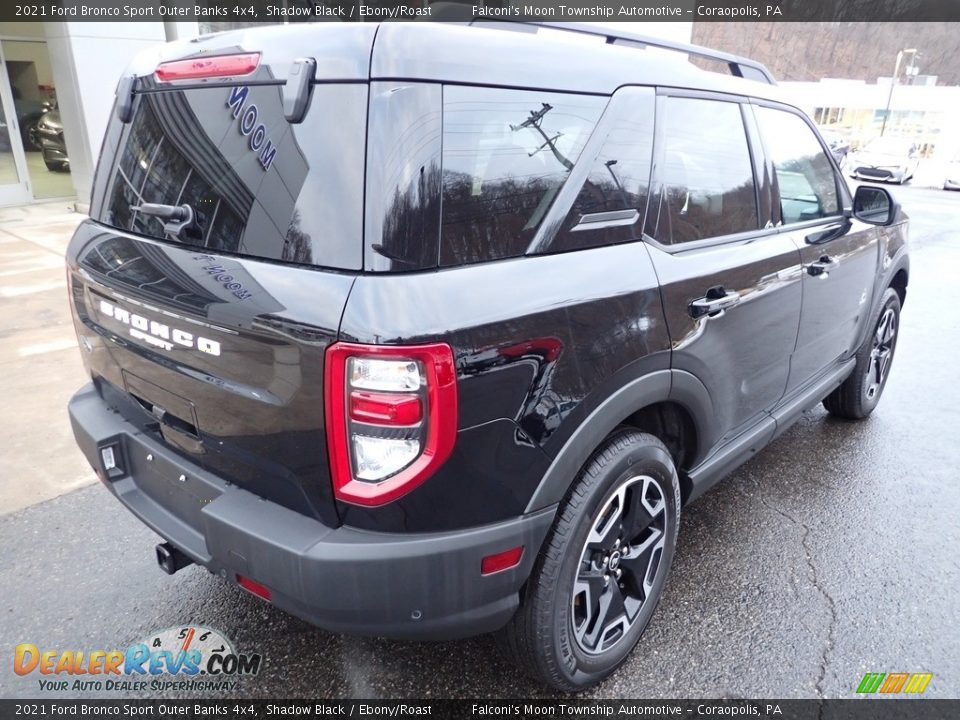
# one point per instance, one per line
(807, 183)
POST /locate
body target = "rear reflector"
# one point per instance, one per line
(385, 408)
(501, 561)
(207, 67)
(261, 591)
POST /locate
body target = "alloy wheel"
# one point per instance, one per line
(881, 354)
(619, 564)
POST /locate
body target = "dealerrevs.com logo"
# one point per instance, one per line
(894, 683)
(191, 658)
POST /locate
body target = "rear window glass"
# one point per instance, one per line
(506, 154)
(258, 185)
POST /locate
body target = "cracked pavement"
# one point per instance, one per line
(829, 555)
(804, 541)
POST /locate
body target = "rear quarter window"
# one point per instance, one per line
(506, 154)
(618, 179)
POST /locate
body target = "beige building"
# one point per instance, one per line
(927, 114)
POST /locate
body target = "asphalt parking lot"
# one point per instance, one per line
(832, 554)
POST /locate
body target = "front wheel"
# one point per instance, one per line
(859, 394)
(602, 570)
(31, 137)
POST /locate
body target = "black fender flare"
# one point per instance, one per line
(890, 266)
(901, 261)
(658, 386)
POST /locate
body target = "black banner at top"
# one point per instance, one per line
(280, 11)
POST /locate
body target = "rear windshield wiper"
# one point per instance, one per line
(179, 221)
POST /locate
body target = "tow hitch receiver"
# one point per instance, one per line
(170, 559)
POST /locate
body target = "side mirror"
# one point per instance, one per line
(874, 205)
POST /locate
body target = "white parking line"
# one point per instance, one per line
(32, 266)
(18, 290)
(47, 347)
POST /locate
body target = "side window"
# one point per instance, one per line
(506, 154)
(808, 186)
(706, 177)
(619, 178)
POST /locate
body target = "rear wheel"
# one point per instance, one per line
(859, 394)
(600, 575)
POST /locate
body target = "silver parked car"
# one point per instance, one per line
(889, 159)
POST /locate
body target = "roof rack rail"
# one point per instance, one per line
(739, 66)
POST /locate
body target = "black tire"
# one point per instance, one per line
(543, 636)
(53, 165)
(859, 394)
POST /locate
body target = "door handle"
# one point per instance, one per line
(821, 268)
(714, 303)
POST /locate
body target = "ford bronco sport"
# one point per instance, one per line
(415, 340)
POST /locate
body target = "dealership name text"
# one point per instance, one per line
(609, 11)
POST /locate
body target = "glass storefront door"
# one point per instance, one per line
(14, 187)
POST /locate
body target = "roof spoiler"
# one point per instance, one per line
(739, 66)
(297, 89)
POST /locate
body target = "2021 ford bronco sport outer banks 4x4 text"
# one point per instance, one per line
(413, 340)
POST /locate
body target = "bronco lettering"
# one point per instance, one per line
(158, 334)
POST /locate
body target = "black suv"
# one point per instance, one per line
(426, 331)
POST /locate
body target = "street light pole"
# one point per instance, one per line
(893, 82)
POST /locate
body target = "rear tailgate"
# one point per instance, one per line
(214, 339)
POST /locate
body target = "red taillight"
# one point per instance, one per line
(385, 408)
(501, 561)
(207, 67)
(261, 591)
(391, 416)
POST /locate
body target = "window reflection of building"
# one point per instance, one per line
(188, 284)
(154, 168)
(186, 147)
(146, 268)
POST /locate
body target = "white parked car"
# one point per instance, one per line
(952, 180)
(888, 159)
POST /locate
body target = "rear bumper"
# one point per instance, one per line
(420, 586)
